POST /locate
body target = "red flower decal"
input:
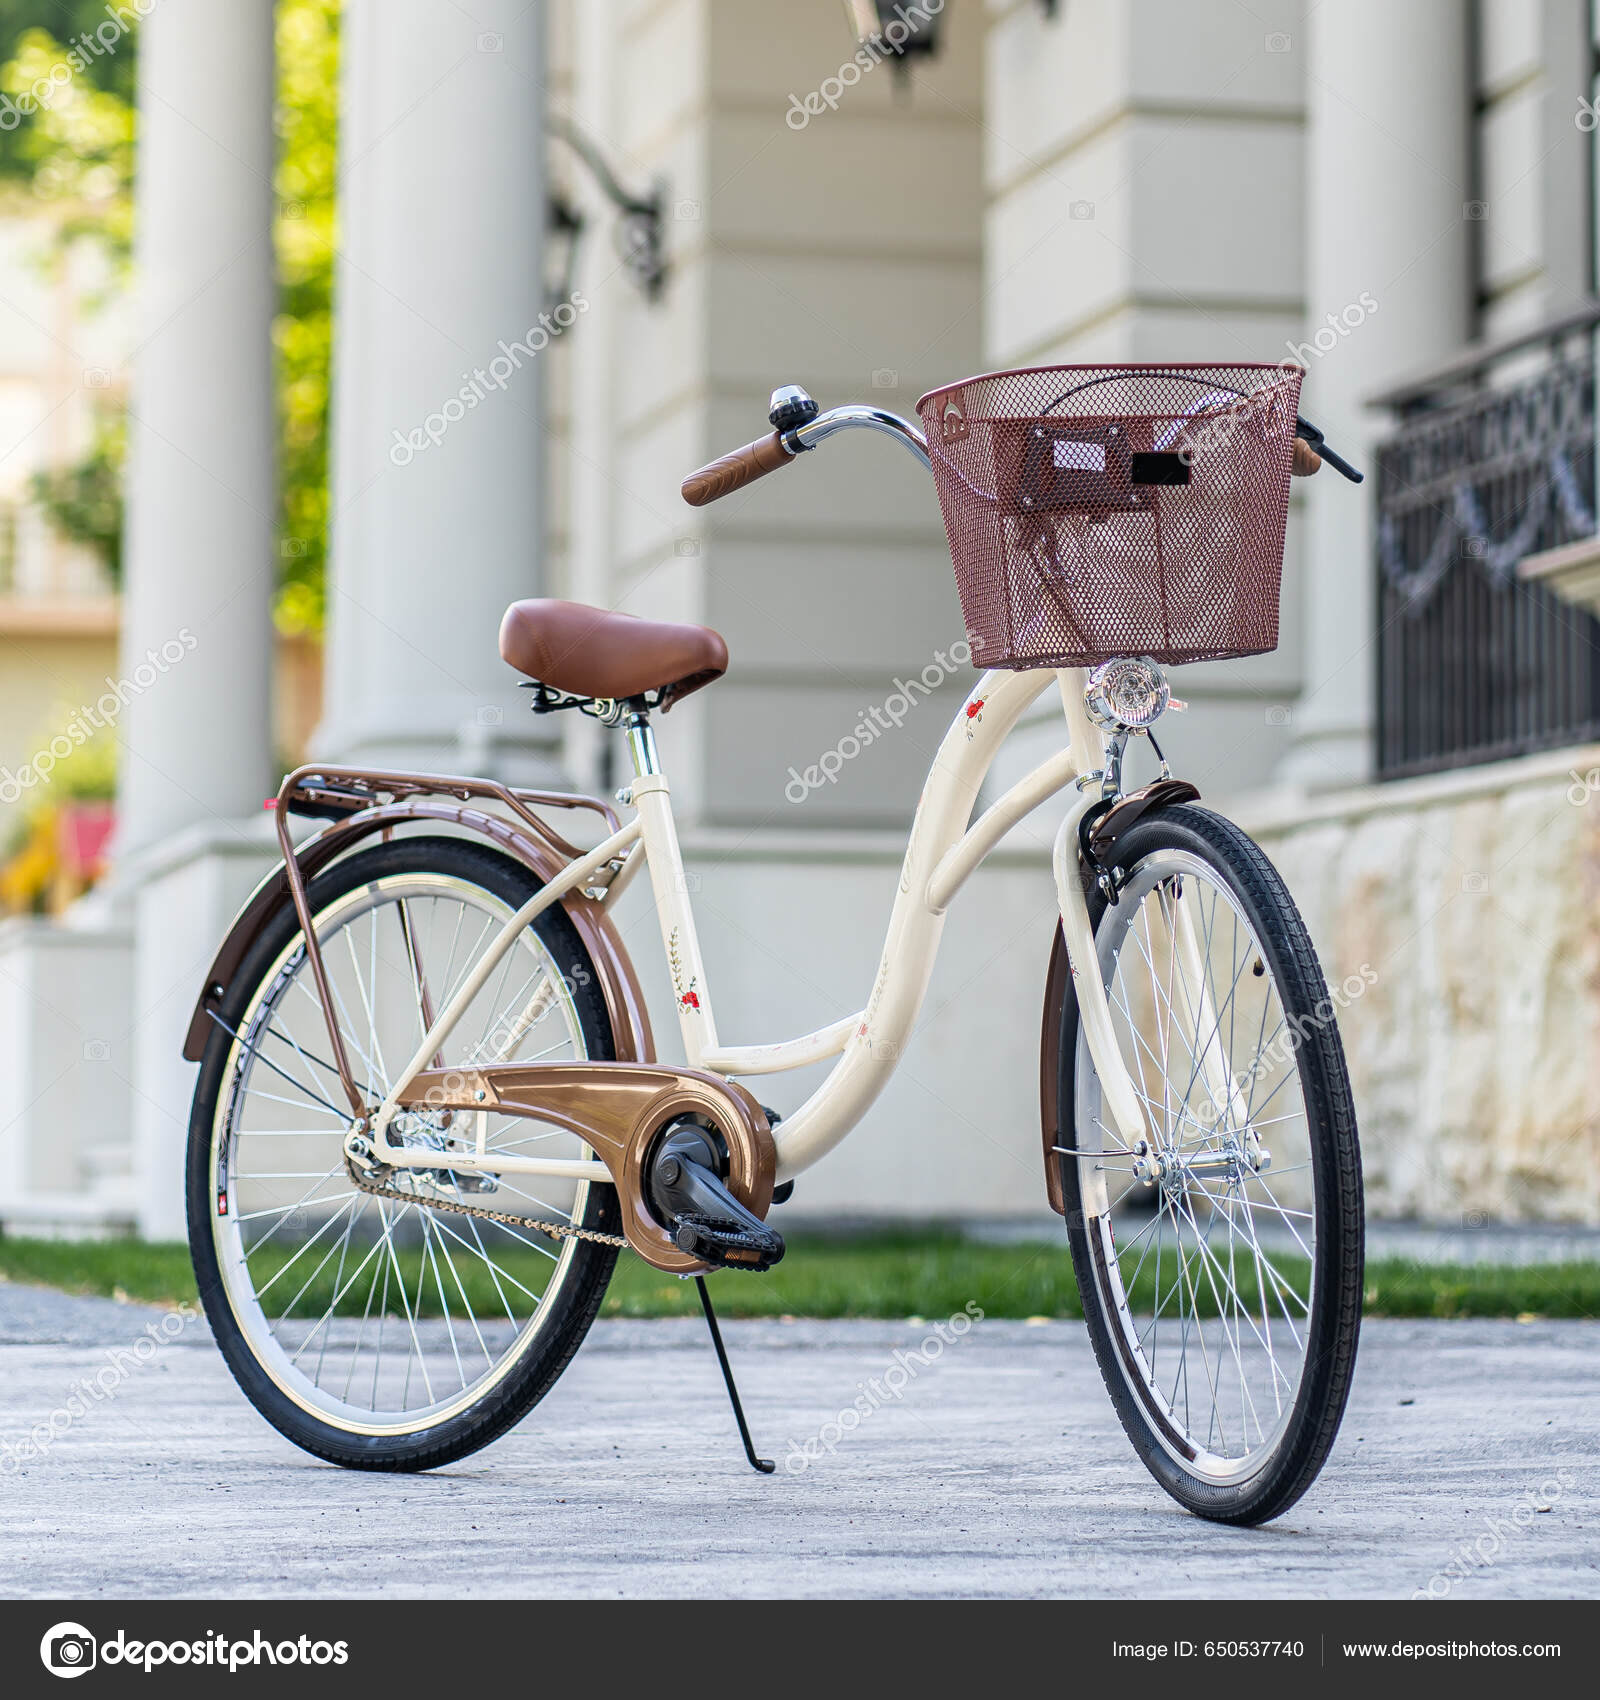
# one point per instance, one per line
(690, 1000)
(974, 709)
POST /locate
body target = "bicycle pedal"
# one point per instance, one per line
(728, 1245)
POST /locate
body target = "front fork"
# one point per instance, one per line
(1124, 1117)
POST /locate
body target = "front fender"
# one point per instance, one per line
(1102, 836)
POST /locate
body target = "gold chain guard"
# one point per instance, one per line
(618, 1109)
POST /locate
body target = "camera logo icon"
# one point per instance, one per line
(68, 1649)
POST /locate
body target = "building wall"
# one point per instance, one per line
(842, 255)
(1535, 238)
(1144, 176)
(1143, 197)
(841, 251)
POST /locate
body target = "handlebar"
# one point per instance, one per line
(798, 425)
(1317, 445)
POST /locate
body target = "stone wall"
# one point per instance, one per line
(1474, 899)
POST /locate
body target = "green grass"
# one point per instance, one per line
(884, 1275)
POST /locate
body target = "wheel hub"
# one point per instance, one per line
(1171, 1168)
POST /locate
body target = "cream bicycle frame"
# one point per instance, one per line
(943, 851)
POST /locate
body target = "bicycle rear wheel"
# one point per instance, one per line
(380, 1334)
(1219, 1260)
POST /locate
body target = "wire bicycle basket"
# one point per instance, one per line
(1105, 510)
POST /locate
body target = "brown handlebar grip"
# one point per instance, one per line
(733, 471)
(1306, 459)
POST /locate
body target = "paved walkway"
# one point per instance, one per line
(1001, 1471)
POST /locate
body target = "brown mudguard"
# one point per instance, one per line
(423, 797)
(1055, 993)
(1160, 794)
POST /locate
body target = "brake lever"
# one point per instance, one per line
(1304, 428)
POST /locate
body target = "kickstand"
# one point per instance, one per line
(764, 1465)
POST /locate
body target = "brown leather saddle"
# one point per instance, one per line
(598, 652)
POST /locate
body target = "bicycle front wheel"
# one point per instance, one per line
(1219, 1259)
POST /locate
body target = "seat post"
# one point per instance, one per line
(641, 739)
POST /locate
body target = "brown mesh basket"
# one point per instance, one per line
(1107, 510)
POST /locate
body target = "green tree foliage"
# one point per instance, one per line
(66, 119)
(84, 500)
(67, 140)
(308, 116)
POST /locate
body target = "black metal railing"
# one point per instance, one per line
(1474, 664)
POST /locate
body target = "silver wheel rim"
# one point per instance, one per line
(426, 1311)
(1204, 1258)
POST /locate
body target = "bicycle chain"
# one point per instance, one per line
(554, 1230)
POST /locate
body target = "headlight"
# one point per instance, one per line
(1129, 691)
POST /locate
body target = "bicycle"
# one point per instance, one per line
(429, 1112)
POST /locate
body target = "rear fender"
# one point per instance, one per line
(630, 1021)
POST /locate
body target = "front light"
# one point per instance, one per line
(1128, 691)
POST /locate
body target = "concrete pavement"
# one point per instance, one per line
(1001, 1470)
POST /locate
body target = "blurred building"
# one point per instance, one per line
(1400, 197)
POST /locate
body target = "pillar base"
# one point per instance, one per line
(66, 1087)
(188, 891)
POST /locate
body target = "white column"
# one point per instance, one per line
(437, 509)
(1390, 108)
(197, 616)
(197, 625)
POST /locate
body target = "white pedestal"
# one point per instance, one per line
(185, 895)
(66, 1090)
